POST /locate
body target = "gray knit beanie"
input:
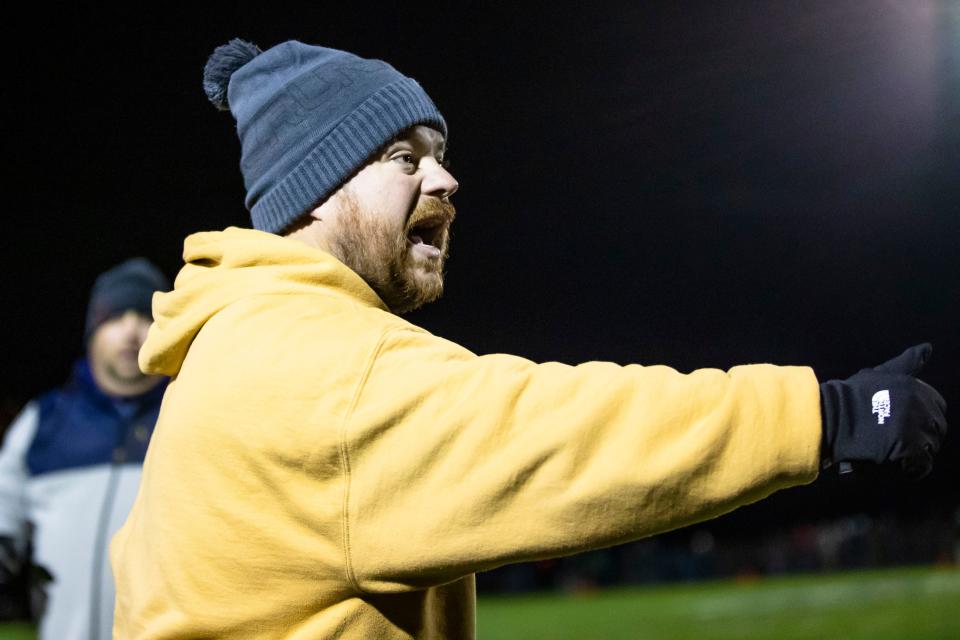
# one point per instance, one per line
(129, 285)
(308, 118)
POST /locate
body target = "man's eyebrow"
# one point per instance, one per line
(439, 148)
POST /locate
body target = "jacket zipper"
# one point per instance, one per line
(103, 525)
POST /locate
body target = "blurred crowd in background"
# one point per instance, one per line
(857, 541)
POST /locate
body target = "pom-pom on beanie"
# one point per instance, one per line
(308, 118)
(129, 285)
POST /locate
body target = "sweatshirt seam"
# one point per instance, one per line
(345, 462)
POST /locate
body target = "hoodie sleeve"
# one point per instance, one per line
(458, 463)
(14, 475)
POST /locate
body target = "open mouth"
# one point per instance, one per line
(427, 232)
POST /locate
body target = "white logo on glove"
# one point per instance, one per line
(881, 405)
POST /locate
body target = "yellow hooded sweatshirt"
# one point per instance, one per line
(321, 468)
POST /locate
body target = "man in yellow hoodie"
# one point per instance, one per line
(321, 468)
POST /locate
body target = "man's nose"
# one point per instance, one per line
(437, 181)
(134, 324)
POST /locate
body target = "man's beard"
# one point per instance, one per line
(382, 254)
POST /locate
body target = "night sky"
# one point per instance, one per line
(680, 183)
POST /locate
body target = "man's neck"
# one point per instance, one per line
(310, 235)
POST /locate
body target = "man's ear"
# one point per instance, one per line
(304, 221)
(328, 207)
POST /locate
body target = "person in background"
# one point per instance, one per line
(71, 461)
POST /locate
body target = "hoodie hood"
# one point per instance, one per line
(223, 267)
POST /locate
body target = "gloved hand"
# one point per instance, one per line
(13, 588)
(23, 585)
(884, 415)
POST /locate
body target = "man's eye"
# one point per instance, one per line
(405, 158)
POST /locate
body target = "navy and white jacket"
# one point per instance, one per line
(69, 471)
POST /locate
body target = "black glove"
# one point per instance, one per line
(884, 415)
(14, 593)
(23, 586)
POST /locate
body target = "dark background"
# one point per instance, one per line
(681, 183)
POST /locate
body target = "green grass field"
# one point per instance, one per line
(914, 604)
(16, 632)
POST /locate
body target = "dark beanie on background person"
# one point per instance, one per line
(308, 118)
(129, 285)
